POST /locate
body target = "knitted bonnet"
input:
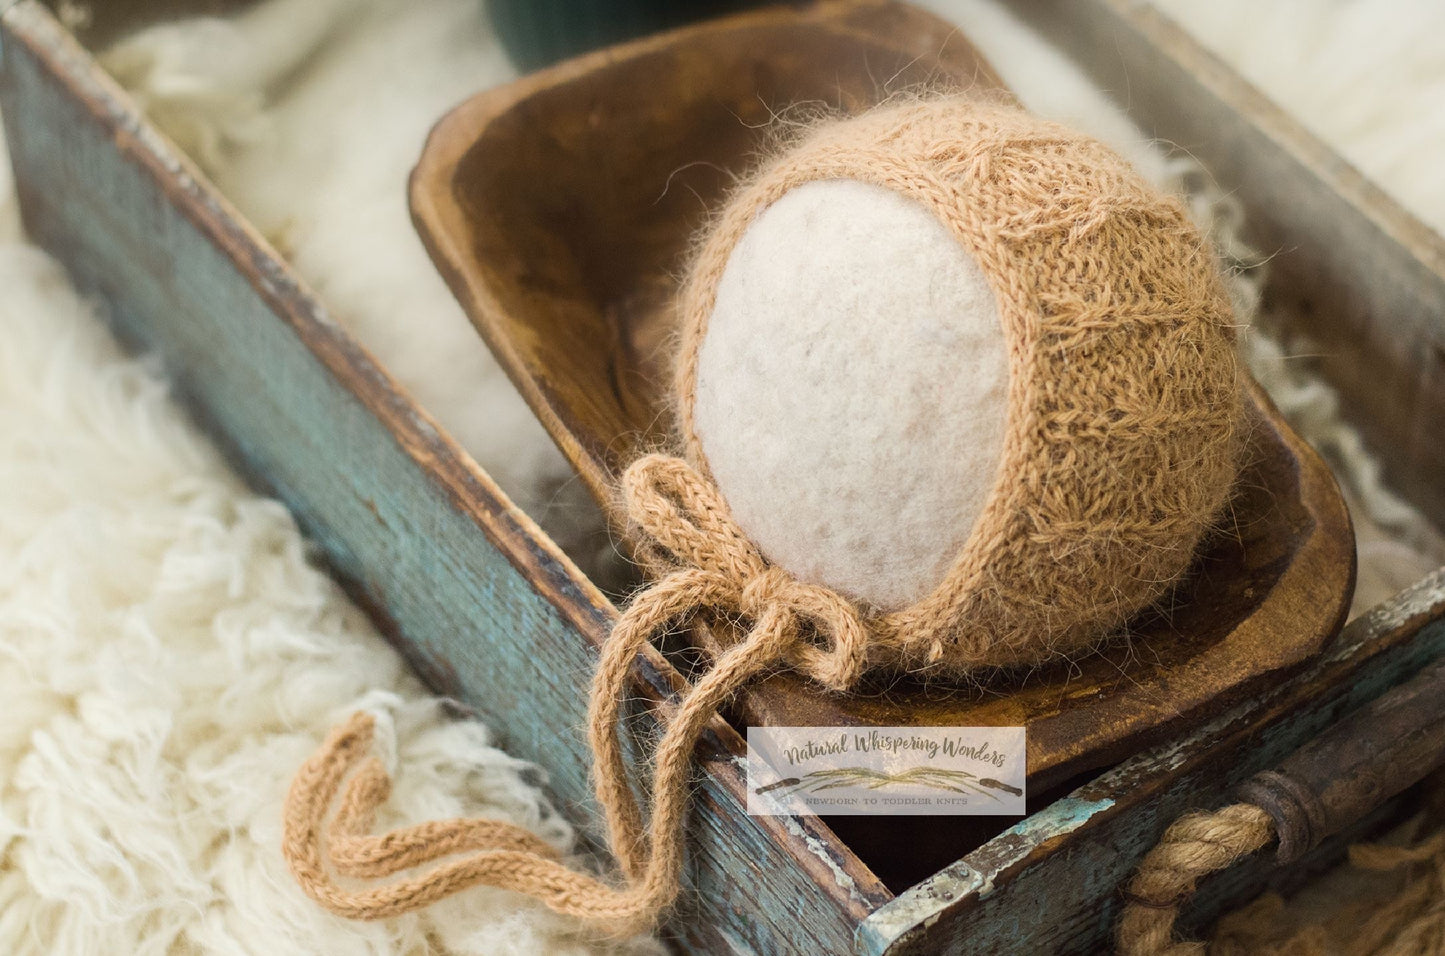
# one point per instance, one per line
(1118, 447)
(1119, 443)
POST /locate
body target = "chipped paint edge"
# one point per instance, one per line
(1416, 600)
(917, 909)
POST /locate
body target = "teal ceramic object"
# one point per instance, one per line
(537, 33)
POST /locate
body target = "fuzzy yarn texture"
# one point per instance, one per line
(1123, 395)
(679, 514)
(345, 113)
(854, 369)
(169, 654)
(1368, 77)
(1119, 445)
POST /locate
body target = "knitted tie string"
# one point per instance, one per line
(684, 526)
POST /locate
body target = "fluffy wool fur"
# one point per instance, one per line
(1367, 76)
(168, 656)
(313, 137)
(819, 406)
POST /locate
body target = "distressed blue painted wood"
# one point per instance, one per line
(1065, 861)
(488, 610)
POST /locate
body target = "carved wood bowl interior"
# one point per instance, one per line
(560, 209)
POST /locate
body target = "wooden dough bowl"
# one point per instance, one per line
(560, 209)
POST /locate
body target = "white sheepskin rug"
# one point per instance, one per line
(309, 116)
(168, 652)
(169, 655)
(1366, 76)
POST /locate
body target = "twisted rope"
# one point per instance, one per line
(1194, 846)
(712, 567)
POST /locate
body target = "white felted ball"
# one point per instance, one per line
(852, 390)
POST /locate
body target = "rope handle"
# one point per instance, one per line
(1334, 780)
(714, 567)
(1194, 846)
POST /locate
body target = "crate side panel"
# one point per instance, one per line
(1053, 888)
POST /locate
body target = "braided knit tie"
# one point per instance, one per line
(710, 565)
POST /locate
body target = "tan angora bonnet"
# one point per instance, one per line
(1114, 450)
(1119, 440)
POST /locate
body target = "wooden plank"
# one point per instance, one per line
(1050, 884)
(1359, 274)
(480, 601)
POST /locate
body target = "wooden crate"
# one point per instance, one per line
(489, 610)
